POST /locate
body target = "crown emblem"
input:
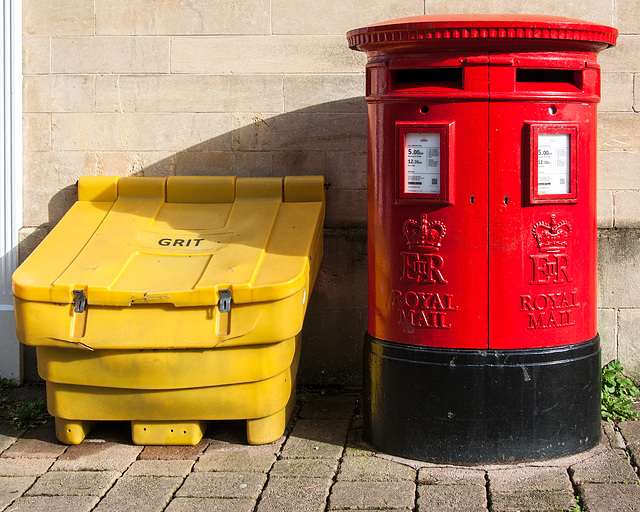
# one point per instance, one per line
(424, 235)
(551, 236)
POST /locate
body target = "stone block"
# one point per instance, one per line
(346, 208)
(529, 479)
(625, 16)
(617, 170)
(300, 132)
(451, 476)
(157, 17)
(223, 485)
(230, 457)
(300, 162)
(8, 435)
(618, 277)
(605, 208)
(609, 467)
(619, 131)
(304, 468)
(36, 55)
(618, 497)
(134, 494)
(24, 467)
(203, 163)
(12, 487)
(93, 455)
(302, 494)
(114, 54)
(53, 503)
(207, 504)
(253, 163)
(628, 346)
(36, 132)
(451, 498)
(617, 92)
(58, 93)
(264, 54)
(58, 17)
(630, 431)
(533, 501)
(140, 132)
(589, 10)
(316, 439)
(36, 443)
(73, 483)
(623, 57)
(336, 17)
(325, 93)
(627, 213)
(152, 467)
(189, 93)
(374, 469)
(608, 331)
(47, 206)
(347, 170)
(372, 495)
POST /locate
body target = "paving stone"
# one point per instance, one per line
(613, 435)
(383, 495)
(174, 452)
(210, 504)
(446, 498)
(24, 467)
(328, 407)
(451, 476)
(231, 457)
(317, 439)
(630, 430)
(295, 495)
(532, 501)
(370, 469)
(12, 487)
(529, 479)
(605, 498)
(160, 468)
(73, 483)
(356, 446)
(610, 467)
(8, 435)
(223, 485)
(304, 468)
(54, 504)
(97, 456)
(37, 443)
(140, 494)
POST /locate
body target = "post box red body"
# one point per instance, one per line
(482, 236)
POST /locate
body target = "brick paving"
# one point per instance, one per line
(320, 465)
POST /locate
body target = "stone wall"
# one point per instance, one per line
(270, 88)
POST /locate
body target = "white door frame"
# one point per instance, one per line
(10, 182)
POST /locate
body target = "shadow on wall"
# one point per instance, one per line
(328, 139)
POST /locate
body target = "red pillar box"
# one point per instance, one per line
(482, 342)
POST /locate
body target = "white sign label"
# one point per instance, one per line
(422, 163)
(554, 166)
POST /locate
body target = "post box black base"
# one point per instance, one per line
(481, 406)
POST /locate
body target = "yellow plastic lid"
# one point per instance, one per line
(179, 240)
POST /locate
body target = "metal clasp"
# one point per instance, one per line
(80, 301)
(225, 300)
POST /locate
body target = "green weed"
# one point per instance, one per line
(618, 393)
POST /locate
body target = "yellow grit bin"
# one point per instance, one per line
(173, 302)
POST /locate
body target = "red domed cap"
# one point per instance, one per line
(482, 32)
